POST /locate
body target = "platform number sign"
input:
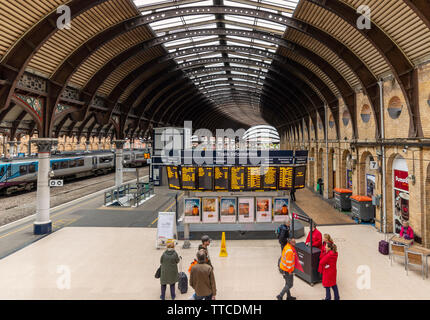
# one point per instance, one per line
(55, 183)
(373, 165)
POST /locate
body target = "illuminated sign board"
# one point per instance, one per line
(254, 178)
(189, 178)
(285, 178)
(299, 177)
(173, 177)
(270, 181)
(205, 178)
(237, 178)
(221, 178)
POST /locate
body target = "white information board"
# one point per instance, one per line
(166, 228)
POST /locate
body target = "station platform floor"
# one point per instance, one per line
(109, 253)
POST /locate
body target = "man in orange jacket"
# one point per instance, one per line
(286, 267)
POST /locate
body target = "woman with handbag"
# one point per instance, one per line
(169, 270)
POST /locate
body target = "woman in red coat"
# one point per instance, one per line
(329, 271)
(326, 239)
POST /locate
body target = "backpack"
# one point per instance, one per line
(192, 265)
(283, 233)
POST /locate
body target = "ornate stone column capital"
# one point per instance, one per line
(119, 144)
(44, 144)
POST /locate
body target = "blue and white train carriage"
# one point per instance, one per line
(21, 174)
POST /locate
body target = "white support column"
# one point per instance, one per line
(18, 143)
(119, 145)
(11, 148)
(43, 224)
(87, 146)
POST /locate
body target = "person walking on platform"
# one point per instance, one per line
(329, 271)
(204, 246)
(293, 195)
(169, 270)
(286, 266)
(316, 238)
(202, 278)
(283, 232)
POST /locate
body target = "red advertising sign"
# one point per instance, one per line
(401, 180)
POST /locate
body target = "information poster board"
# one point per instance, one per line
(270, 181)
(299, 177)
(221, 178)
(263, 209)
(205, 178)
(237, 178)
(173, 177)
(189, 177)
(246, 210)
(280, 209)
(210, 210)
(228, 209)
(166, 228)
(285, 178)
(192, 210)
(254, 176)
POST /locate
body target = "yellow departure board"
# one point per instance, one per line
(270, 178)
(173, 177)
(237, 178)
(254, 178)
(221, 178)
(205, 178)
(299, 177)
(189, 178)
(285, 179)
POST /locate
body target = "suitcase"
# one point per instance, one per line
(383, 247)
(183, 282)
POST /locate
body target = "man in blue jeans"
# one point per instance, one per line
(202, 278)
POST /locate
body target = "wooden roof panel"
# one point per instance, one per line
(84, 27)
(19, 16)
(108, 52)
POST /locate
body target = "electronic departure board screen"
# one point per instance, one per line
(221, 178)
(189, 178)
(270, 181)
(205, 178)
(299, 177)
(254, 178)
(173, 177)
(285, 178)
(237, 178)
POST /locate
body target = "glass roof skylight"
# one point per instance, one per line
(240, 68)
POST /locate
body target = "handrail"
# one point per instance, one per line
(129, 195)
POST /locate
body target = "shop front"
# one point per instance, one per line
(400, 193)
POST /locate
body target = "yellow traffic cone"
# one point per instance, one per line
(223, 252)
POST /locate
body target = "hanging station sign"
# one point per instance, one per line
(221, 178)
(237, 178)
(205, 178)
(189, 177)
(173, 177)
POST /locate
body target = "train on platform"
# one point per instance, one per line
(20, 174)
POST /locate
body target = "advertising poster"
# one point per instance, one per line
(264, 209)
(280, 209)
(246, 210)
(349, 179)
(210, 210)
(192, 210)
(370, 184)
(228, 209)
(401, 199)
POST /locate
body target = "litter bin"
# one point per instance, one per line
(362, 208)
(342, 199)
